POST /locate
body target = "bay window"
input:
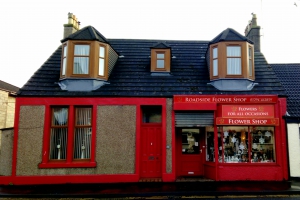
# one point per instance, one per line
(232, 60)
(86, 59)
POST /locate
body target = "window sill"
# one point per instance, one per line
(68, 165)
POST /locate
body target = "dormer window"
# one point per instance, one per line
(231, 60)
(85, 59)
(160, 58)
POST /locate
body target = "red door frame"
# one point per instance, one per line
(180, 156)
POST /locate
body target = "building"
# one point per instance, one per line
(8, 94)
(123, 110)
(288, 75)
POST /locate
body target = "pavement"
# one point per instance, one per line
(155, 190)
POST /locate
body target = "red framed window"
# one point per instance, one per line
(70, 140)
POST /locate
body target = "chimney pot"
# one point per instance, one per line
(253, 32)
(72, 26)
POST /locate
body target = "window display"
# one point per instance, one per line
(262, 144)
(243, 144)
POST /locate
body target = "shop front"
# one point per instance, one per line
(230, 137)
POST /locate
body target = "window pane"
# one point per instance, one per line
(82, 50)
(160, 56)
(233, 51)
(160, 64)
(190, 141)
(60, 116)
(64, 66)
(58, 133)
(82, 137)
(250, 67)
(101, 52)
(263, 144)
(215, 52)
(234, 66)
(101, 67)
(83, 116)
(65, 51)
(58, 143)
(82, 146)
(250, 53)
(81, 65)
(151, 114)
(235, 144)
(210, 155)
(215, 67)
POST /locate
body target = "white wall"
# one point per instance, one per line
(294, 148)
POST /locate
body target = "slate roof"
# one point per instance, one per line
(8, 87)
(288, 75)
(131, 76)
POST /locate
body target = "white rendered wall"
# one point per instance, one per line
(294, 149)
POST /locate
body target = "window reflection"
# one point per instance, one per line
(190, 141)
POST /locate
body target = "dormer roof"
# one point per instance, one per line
(160, 45)
(229, 35)
(86, 33)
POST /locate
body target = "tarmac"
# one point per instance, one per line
(156, 190)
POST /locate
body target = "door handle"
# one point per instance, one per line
(200, 150)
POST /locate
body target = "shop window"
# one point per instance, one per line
(246, 144)
(151, 114)
(70, 138)
(190, 141)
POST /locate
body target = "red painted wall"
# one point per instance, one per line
(217, 171)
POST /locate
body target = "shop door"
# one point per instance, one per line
(190, 151)
(151, 151)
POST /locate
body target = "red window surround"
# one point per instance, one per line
(69, 161)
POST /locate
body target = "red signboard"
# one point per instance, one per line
(246, 111)
(247, 121)
(225, 99)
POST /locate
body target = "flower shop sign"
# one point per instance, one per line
(247, 115)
